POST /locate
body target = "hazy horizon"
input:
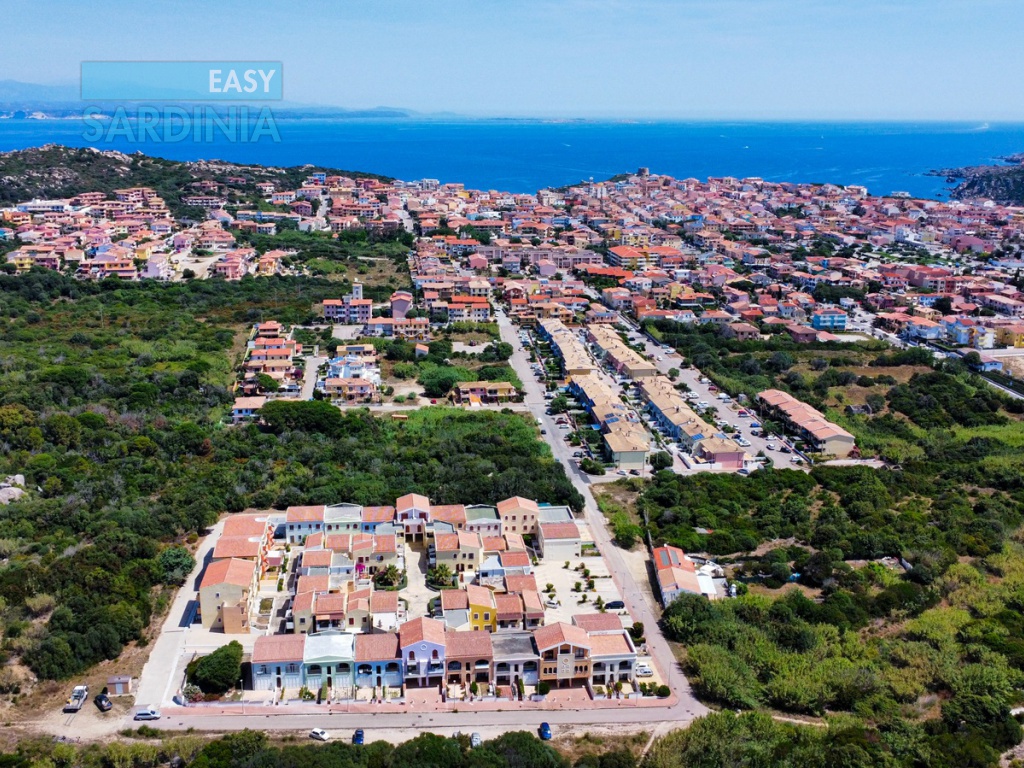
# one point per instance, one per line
(749, 60)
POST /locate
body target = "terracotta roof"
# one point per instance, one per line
(412, 500)
(312, 584)
(377, 647)
(330, 602)
(449, 513)
(278, 648)
(384, 602)
(245, 525)
(517, 502)
(378, 514)
(318, 558)
(561, 633)
(560, 530)
(446, 542)
(514, 559)
(232, 571)
(508, 606)
(479, 595)
(598, 622)
(305, 514)
(475, 645)
(521, 583)
(494, 543)
(237, 546)
(420, 630)
(454, 600)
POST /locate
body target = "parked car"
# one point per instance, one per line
(319, 734)
(543, 431)
(551, 603)
(785, 449)
(635, 472)
(103, 702)
(642, 670)
(475, 740)
(771, 446)
(545, 732)
(433, 401)
(743, 471)
(622, 472)
(615, 605)
(358, 737)
(147, 714)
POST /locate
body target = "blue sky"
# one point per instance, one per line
(702, 59)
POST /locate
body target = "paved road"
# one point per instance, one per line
(309, 378)
(628, 718)
(156, 684)
(690, 377)
(640, 606)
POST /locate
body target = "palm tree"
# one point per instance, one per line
(390, 576)
(440, 575)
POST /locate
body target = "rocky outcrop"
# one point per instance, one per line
(1001, 183)
(12, 489)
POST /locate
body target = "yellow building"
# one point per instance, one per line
(483, 614)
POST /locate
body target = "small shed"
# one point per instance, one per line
(120, 685)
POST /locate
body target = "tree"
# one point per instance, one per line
(559, 404)
(661, 460)
(267, 383)
(305, 416)
(441, 575)
(780, 361)
(176, 564)
(673, 373)
(389, 577)
(219, 671)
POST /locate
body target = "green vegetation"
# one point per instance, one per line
(219, 671)
(55, 171)
(112, 403)
(516, 749)
(754, 739)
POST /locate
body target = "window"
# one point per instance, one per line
(261, 669)
(476, 617)
(487, 617)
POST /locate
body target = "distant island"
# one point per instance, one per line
(1002, 183)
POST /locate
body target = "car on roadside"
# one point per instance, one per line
(635, 472)
(147, 714)
(543, 431)
(615, 605)
(545, 732)
(771, 446)
(359, 737)
(622, 472)
(103, 702)
(319, 734)
(785, 449)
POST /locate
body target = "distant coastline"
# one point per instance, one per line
(524, 155)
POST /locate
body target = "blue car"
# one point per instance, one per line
(545, 732)
(358, 736)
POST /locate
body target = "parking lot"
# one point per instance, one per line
(564, 580)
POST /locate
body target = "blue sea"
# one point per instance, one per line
(526, 155)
